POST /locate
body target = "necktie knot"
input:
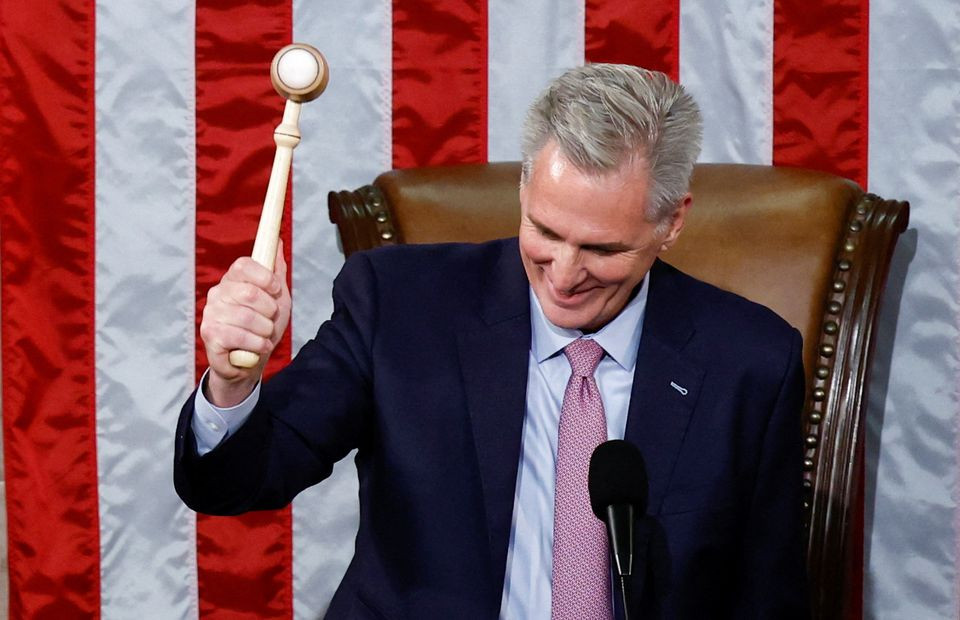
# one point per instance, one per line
(584, 355)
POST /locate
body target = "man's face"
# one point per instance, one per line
(584, 240)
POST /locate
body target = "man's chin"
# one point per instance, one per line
(567, 318)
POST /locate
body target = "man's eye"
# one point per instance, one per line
(546, 234)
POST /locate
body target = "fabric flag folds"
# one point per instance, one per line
(135, 146)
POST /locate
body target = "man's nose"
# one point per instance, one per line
(567, 272)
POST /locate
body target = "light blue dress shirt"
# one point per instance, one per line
(526, 589)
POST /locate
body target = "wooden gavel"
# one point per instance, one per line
(299, 73)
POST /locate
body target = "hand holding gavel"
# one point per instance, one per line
(251, 302)
(299, 72)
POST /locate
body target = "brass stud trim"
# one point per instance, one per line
(827, 350)
(844, 265)
(830, 327)
(373, 209)
(834, 307)
(807, 464)
(822, 372)
(819, 394)
(856, 226)
(816, 417)
(811, 441)
(839, 286)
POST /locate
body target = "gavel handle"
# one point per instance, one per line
(287, 137)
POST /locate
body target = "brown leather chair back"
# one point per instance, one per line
(813, 247)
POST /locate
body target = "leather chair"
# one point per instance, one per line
(813, 247)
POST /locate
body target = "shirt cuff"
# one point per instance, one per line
(212, 424)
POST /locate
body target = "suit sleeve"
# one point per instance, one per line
(773, 576)
(309, 415)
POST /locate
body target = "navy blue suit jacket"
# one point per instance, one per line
(423, 369)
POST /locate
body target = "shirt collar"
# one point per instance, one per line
(620, 338)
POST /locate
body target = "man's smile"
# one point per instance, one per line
(569, 300)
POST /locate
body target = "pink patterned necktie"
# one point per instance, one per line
(581, 563)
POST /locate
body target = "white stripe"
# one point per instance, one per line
(914, 142)
(144, 302)
(346, 143)
(726, 61)
(530, 42)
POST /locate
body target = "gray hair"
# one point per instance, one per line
(604, 116)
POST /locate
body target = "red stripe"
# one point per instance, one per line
(820, 56)
(820, 113)
(244, 563)
(646, 34)
(49, 400)
(439, 82)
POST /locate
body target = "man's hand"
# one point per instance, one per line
(249, 309)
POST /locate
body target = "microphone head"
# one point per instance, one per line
(618, 475)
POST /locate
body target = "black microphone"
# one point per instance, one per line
(618, 496)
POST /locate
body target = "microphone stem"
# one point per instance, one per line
(623, 594)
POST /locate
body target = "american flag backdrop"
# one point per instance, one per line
(135, 146)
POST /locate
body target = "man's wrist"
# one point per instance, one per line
(223, 393)
(212, 424)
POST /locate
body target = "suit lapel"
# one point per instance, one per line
(493, 356)
(665, 383)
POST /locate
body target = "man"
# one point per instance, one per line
(475, 380)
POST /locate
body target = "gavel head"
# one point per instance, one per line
(299, 72)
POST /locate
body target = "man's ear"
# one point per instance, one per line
(676, 222)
